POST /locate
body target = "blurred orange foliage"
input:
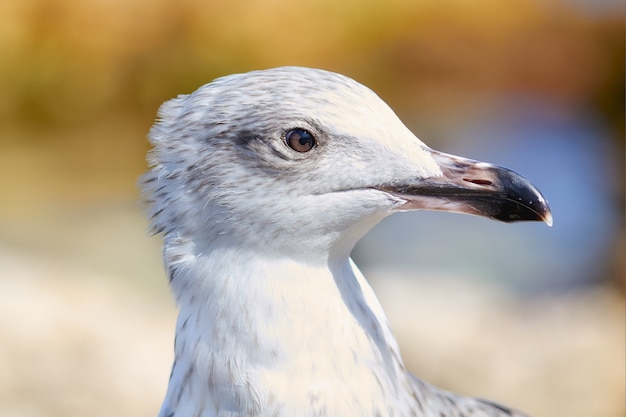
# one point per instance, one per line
(65, 61)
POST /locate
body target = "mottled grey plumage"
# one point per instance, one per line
(275, 320)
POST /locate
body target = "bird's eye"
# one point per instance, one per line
(300, 140)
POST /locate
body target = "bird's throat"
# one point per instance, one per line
(249, 321)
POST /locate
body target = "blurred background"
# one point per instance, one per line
(524, 314)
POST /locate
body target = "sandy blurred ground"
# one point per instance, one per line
(78, 344)
(77, 341)
(551, 356)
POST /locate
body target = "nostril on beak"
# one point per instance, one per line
(478, 182)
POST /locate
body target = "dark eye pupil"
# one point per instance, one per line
(300, 140)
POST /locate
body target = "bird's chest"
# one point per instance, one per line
(307, 383)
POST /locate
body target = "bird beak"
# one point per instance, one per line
(473, 187)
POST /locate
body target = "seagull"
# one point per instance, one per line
(261, 184)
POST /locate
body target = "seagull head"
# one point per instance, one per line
(302, 162)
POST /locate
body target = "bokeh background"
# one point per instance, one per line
(529, 315)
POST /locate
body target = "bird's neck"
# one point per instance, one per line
(261, 333)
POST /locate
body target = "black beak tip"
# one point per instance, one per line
(516, 211)
(523, 201)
